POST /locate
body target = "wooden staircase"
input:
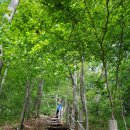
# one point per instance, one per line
(55, 124)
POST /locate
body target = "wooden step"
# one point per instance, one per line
(56, 123)
(57, 128)
(54, 118)
(52, 121)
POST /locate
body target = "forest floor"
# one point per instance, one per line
(35, 124)
(32, 124)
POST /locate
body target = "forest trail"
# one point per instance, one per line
(44, 123)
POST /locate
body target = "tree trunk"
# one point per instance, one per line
(3, 79)
(74, 108)
(25, 105)
(38, 98)
(73, 122)
(123, 116)
(80, 125)
(113, 125)
(30, 109)
(67, 110)
(29, 102)
(83, 96)
(103, 58)
(119, 61)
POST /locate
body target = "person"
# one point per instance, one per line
(59, 108)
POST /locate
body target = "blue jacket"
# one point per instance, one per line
(59, 107)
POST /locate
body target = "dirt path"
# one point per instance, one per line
(46, 123)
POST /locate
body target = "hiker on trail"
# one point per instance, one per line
(59, 109)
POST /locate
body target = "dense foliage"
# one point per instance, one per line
(47, 39)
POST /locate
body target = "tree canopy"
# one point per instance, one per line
(54, 39)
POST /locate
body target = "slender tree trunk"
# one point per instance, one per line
(80, 125)
(83, 95)
(73, 119)
(29, 102)
(74, 108)
(3, 79)
(123, 116)
(113, 122)
(120, 57)
(102, 54)
(67, 110)
(25, 105)
(112, 125)
(38, 98)
(109, 91)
